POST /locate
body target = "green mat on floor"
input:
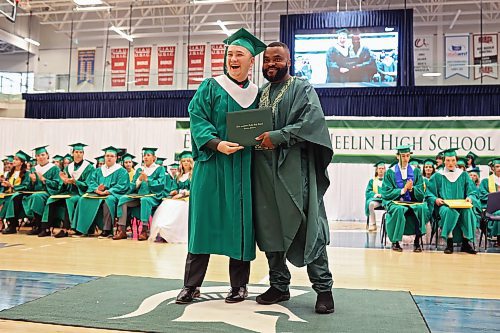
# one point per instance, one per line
(147, 305)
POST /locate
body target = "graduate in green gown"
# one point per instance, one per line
(45, 182)
(99, 161)
(403, 197)
(146, 192)
(457, 224)
(428, 170)
(491, 185)
(58, 161)
(220, 209)
(105, 186)
(74, 184)
(181, 184)
(18, 180)
(373, 198)
(289, 181)
(129, 164)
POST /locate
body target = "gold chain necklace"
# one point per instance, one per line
(265, 99)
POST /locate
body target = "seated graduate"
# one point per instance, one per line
(415, 162)
(44, 182)
(491, 185)
(57, 160)
(146, 193)
(492, 167)
(62, 206)
(105, 186)
(99, 162)
(461, 163)
(128, 164)
(475, 175)
(402, 194)
(171, 218)
(160, 160)
(67, 159)
(373, 198)
(429, 170)
(439, 160)
(8, 164)
(18, 180)
(471, 159)
(457, 224)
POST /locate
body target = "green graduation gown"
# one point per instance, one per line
(7, 210)
(154, 185)
(35, 203)
(462, 222)
(493, 227)
(220, 208)
(289, 181)
(117, 183)
(81, 174)
(370, 196)
(397, 221)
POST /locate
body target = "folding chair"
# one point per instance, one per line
(492, 206)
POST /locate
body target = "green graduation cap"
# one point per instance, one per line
(475, 170)
(160, 160)
(99, 159)
(22, 155)
(184, 154)
(461, 161)
(134, 163)
(245, 39)
(111, 150)
(415, 161)
(495, 161)
(404, 149)
(78, 146)
(92, 163)
(68, 157)
(5, 160)
(379, 163)
(148, 150)
(449, 152)
(9, 158)
(471, 155)
(58, 158)
(429, 161)
(40, 150)
(127, 157)
(174, 166)
(393, 163)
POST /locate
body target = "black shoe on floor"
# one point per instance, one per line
(34, 231)
(324, 303)
(61, 234)
(9, 230)
(237, 294)
(272, 296)
(467, 248)
(449, 246)
(105, 234)
(187, 295)
(396, 247)
(44, 233)
(416, 246)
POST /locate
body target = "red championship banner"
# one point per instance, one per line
(217, 59)
(196, 63)
(142, 65)
(166, 60)
(119, 58)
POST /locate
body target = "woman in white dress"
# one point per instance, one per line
(171, 218)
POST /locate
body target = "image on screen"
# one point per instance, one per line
(351, 57)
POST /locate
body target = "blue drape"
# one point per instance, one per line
(402, 20)
(384, 102)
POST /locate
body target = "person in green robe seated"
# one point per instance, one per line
(471, 159)
(45, 182)
(173, 170)
(461, 163)
(403, 197)
(475, 175)
(491, 185)
(18, 180)
(146, 192)
(220, 209)
(160, 160)
(58, 161)
(182, 181)
(128, 164)
(457, 224)
(105, 187)
(99, 161)
(290, 179)
(439, 160)
(8, 164)
(67, 159)
(415, 162)
(428, 169)
(373, 198)
(62, 206)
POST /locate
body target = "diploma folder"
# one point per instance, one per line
(458, 203)
(244, 126)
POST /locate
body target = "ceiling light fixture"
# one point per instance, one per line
(88, 2)
(121, 33)
(91, 8)
(223, 27)
(31, 41)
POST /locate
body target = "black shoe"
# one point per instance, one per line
(237, 294)
(416, 246)
(449, 246)
(187, 295)
(34, 231)
(324, 303)
(396, 247)
(44, 233)
(61, 234)
(467, 248)
(9, 230)
(105, 234)
(272, 296)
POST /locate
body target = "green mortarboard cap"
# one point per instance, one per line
(415, 161)
(429, 161)
(68, 157)
(127, 157)
(475, 170)
(160, 160)
(57, 158)
(440, 154)
(461, 161)
(184, 154)
(450, 152)
(78, 146)
(111, 150)
(90, 162)
(245, 39)
(404, 149)
(10, 158)
(99, 159)
(379, 163)
(39, 150)
(174, 165)
(134, 163)
(393, 163)
(148, 150)
(22, 155)
(471, 154)
(495, 161)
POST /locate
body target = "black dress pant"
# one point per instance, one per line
(196, 268)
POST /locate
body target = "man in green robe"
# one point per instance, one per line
(61, 207)
(220, 209)
(45, 182)
(105, 186)
(146, 192)
(487, 186)
(289, 180)
(403, 197)
(457, 224)
(373, 198)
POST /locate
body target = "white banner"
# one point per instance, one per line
(423, 54)
(456, 56)
(485, 55)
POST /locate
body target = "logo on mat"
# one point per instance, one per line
(211, 307)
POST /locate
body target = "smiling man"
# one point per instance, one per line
(220, 209)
